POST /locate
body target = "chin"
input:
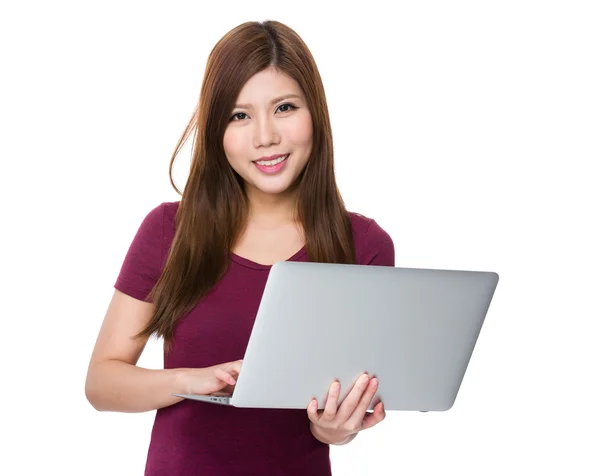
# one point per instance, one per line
(272, 189)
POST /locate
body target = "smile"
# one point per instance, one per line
(272, 167)
(271, 163)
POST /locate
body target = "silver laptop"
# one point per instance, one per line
(415, 329)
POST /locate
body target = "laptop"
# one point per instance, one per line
(414, 329)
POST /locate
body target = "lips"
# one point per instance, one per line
(273, 167)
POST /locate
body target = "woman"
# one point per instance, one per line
(261, 189)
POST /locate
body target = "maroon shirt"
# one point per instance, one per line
(198, 438)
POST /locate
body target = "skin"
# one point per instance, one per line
(261, 128)
(264, 129)
(339, 425)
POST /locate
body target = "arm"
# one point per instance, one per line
(113, 382)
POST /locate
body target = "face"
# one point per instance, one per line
(271, 118)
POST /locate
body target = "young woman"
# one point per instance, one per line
(261, 189)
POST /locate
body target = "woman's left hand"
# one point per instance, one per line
(337, 426)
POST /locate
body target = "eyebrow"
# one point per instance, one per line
(280, 98)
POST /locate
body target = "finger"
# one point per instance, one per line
(312, 408)
(356, 419)
(353, 398)
(233, 369)
(235, 365)
(371, 419)
(224, 376)
(332, 402)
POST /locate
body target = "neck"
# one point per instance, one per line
(271, 209)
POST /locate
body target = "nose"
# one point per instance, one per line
(265, 132)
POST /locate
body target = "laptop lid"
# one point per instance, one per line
(415, 329)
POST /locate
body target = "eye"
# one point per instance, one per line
(290, 106)
(236, 117)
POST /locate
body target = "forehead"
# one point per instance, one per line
(266, 85)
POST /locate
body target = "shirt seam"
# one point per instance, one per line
(250, 267)
(131, 285)
(162, 239)
(384, 241)
(253, 265)
(372, 220)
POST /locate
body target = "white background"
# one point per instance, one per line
(468, 130)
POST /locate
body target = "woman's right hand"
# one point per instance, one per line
(206, 381)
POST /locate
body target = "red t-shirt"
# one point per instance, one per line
(197, 438)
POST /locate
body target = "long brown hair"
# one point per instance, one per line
(213, 210)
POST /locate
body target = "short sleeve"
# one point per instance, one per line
(142, 265)
(379, 247)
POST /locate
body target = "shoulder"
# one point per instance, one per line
(170, 210)
(367, 230)
(158, 225)
(167, 210)
(163, 216)
(373, 244)
(146, 255)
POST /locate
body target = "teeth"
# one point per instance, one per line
(270, 163)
